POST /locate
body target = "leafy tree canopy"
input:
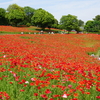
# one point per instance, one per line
(55, 25)
(3, 20)
(42, 18)
(97, 18)
(2, 13)
(29, 12)
(80, 23)
(94, 25)
(15, 14)
(89, 26)
(69, 22)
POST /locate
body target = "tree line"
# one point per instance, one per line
(15, 15)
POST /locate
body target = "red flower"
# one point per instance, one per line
(51, 99)
(4, 95)
(32, 83)
(35, 94)
(0, 96)
(0, 63)
(0, 78)
(98, 97)
(98, 89)
(47, 91)
(56, 95)
(44, 96)
(17, 78)
(11, 82)
(38, 87)
(20, 83)
(25, 85)
(22, 90)
(74, 99)
(23, 81)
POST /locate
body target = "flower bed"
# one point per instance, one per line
(49, 67)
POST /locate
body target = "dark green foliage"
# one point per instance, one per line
(55, 25)
(15, 14)
(94, 25)
(69, 22)
(28, 24)
(80, 23)
(43, 18)
(2, 12)
(78, 29)
(97, 18)
(3, 20)
(29, 12)
(98, 31)
(89, 26)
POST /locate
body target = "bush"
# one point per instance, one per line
(28, 24)
(98, 31)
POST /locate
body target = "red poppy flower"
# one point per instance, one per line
(56, 95)
(35, 94)
(98, 97)
(51, 99)
(22, 90)
(47, 91)
(44, 96)
(31, 83)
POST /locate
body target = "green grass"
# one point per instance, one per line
(45, 30)
(3, 32)
(25, 37)
(96, 53)
(49, 30)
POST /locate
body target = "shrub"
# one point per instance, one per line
(98, 31)
(28, 24)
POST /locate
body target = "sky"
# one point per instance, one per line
(84, 9)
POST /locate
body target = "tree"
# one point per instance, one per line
(97, 18)
(69, 22)
(89, 26)
(3, 20)
(42, 18)
(55, 25)
(92, 26)
(29, 12)
(80, 26)
(80, 23)
(97, 23)
(15, 14)
(2, 13)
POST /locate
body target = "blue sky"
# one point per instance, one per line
(83, 9)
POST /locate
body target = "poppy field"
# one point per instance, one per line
(14, 29)
(49, 67)
(26, 30)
